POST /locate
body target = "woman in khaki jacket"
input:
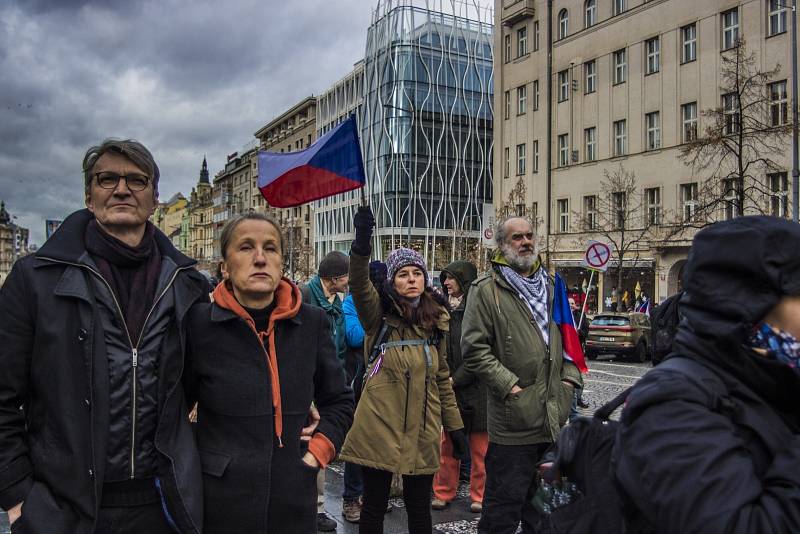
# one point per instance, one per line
(407, 396)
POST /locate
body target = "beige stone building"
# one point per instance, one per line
(13, 242)
(234, 192)
(293, 130)
(201, 220)
(169, 215)
(627, 88)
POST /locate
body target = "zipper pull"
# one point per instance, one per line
(135, 357)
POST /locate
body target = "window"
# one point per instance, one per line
(730, 28)
(507, 97)
(535, 95)
(521, 159)
(590, 13)
(590, 76)
(779, 194)
(729, 196)
(507, 166)
(689, 40)
(619, 204)
(563, 86)
(653, 200)
(778, 104)
(689, 201)
(619, 7)
(620, 138)
(689, 119)
(522, 99)
(590, 142)
(535, 156)
(653, 123)
(777, 16)
(563, 150)
(535, 35)
(590, 212)
(522, 41)
(563, 24)
(507, 50)
(563, 215)
(620, 66)
(730, 107)
(653, 48)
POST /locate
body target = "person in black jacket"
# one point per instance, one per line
(257, 358)
(709, 440)
(92, 330)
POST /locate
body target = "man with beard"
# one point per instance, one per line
(511, 343)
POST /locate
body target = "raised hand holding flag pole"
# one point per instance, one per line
(331, 165)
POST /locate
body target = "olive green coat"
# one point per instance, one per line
(503, 346)
(403, 407)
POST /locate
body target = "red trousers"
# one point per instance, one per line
(445, 483)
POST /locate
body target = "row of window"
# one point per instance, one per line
(653, 209)
(776, 11)
(778, 116)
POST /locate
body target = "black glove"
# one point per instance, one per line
(363, 222)
(460, 446)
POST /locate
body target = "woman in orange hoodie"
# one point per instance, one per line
(257, 358)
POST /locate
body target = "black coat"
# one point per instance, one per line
(720, 455)
(251, 485)
(54, 365)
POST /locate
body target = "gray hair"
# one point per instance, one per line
(230, 226)
(131, 149)
(501, 235)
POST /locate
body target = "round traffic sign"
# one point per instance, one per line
(597, 255)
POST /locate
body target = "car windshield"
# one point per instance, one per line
(610, 320)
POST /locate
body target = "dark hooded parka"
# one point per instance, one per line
(719, 453)
(470, 393)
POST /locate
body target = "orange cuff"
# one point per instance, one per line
(322, 449)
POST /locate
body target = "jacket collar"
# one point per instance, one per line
(67, 244)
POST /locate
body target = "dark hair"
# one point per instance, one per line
(230, 226)
(426, 314)
(131, 149)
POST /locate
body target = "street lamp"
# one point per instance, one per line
(410, 111)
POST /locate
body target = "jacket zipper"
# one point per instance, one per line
(408, 393)
(134, 349)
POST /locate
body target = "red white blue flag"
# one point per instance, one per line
(562, 316)
(331, 165)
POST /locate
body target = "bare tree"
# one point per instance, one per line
(515, 206)
(737, 146)
(620, 216)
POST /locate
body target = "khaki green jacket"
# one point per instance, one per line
(503, 346)
(399, 418)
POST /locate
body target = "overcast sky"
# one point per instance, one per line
(186, 78)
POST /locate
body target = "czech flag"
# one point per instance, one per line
(562, 316)
(644, 307)
(331, 165)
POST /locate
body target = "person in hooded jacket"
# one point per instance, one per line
(407, 396)
(470, 397)
(709, 440)
(257, 357)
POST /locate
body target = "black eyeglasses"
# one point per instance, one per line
(110, 180)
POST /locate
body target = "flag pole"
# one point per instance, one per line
(586, 299)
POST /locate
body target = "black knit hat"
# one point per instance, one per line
(334, 264)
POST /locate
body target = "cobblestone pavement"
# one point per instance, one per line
(606, 379)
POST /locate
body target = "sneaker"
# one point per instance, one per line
(582, 403)
(351, 510)
(476, 507)
(325, 523)
(388, 507)
(438, 504)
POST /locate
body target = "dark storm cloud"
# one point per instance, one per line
(186, 78)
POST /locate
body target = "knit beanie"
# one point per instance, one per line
(403, 257)
(334, 264)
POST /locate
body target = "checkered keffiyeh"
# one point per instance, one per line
(533, 292)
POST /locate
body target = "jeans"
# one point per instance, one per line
(511, 481)
(353, 483)
(416, 494)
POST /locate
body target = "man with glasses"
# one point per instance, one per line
(323, 291)
(94, 435)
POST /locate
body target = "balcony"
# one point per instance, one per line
(517, 10)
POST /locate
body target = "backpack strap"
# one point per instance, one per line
(604, 412)
(383, 335)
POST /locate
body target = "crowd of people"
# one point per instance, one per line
(109, 336)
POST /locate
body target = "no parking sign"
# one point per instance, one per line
(597, 256)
